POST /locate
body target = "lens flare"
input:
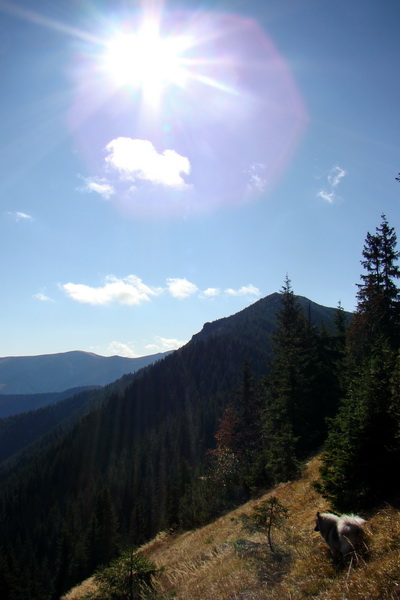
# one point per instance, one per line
(207, 94)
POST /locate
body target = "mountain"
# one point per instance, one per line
(125, 469)
(59, 372)
(260, 317)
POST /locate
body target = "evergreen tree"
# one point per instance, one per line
(128, 577)
(103, 535)
(339, 350)
(303, 387)
(378, 311)
(363, 450)
(250, 435)
(286, 389)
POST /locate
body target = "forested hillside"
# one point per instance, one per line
(15, 404)
(237, 409)
(19, 431)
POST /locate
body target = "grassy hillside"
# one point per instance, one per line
(222, 561)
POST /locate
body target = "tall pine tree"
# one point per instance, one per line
(377, 316)
(362, 450)
(288, 390)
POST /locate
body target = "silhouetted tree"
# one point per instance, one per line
(362, 450)
(377, 315)
(286, 389)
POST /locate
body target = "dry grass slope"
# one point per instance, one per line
(222, 562)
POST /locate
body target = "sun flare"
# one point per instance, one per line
(146, 60)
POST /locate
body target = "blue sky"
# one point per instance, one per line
(165, 165)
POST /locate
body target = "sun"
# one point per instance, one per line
(144, 59)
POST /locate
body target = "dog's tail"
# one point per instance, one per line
(350, 522)
(350, 528)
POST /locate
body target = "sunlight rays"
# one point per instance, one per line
(208, 108)
(147, 59)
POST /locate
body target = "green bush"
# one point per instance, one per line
(127, 578)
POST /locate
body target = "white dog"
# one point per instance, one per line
(342, 534)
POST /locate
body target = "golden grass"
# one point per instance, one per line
(81, 590)
(222, 562)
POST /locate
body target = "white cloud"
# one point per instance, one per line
(138, 159)
(20, 216)
(210, 293)
(257, 181)
(327, 196)
(100, 186)
(130, 291)
(121, 349)
(336, 174)
(42, 297)
(162, 344)
(245, 290)
(181, 288)
(334, 177)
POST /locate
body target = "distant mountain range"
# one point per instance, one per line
(59, 372)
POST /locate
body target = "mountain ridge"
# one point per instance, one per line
(49, 373)
(318, 314)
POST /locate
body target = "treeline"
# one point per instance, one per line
(210, 425)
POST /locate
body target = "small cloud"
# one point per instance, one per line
(42, 297)
(20, 216)
(245, 290)
(327, 196)
(121, 349)
(336, 174)
(210, 293)
(162, 344)
(136, 159)
(257, 181)
(334, 177)
(129, 291)
(181, 288)
(99, 186)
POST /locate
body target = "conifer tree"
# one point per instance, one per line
(285, 389)
(362, 450)
(249, 437)
(378, 310)
(303, 387)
